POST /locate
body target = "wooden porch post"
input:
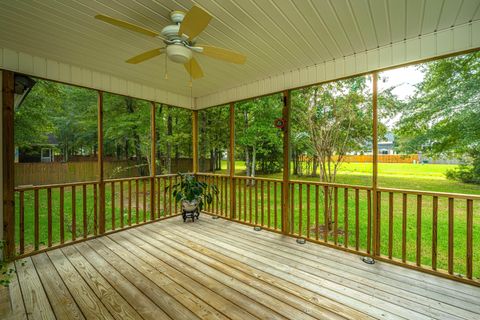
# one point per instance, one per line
(376, 215)
(101, 184)
(153, 164)
(195, 140)
(8, 152)
(231, 159)
(286, 162)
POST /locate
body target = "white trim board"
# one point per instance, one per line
(63, 72)
(456, 39)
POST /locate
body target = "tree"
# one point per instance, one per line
(442, 117)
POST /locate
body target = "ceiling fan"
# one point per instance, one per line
(180, 40)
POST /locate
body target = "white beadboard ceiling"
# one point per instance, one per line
(278, 37)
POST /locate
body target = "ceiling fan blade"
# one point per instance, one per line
(146, 55)
(223, 54)
(126, 25)
(193, 68)
(194, 22)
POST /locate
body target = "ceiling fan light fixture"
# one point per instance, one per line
(179, 53)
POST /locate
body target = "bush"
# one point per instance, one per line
(467, 174)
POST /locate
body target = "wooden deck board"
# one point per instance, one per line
(218, 269)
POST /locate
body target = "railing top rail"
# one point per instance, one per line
(208, 174)
(432, 193)
(257, 178)
(50, 186)
(329, 184)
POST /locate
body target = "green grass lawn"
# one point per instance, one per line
(426, 177)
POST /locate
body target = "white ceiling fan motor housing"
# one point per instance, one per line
(179, 53)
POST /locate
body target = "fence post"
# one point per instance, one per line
(101, 183)
(376, 215)
(286, 162)
(8, 158)
(232, 161)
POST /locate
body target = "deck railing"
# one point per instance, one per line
(52, 215)
(432, 231)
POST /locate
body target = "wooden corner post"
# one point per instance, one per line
(231, 159)
(376, 215)
(101, 183)
(153, 162)
(286, 162)
(195, 140)
(8, 153)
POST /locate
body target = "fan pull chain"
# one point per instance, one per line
(166, 70)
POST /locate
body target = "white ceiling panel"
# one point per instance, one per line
(278, 36)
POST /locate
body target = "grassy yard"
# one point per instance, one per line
(403, 176)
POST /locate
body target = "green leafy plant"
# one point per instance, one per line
(190, 189)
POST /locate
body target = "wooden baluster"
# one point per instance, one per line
(170, 196)
(434, 232)
(113, 205)
(379, 220)
(335, 215)
(292, 208)
(390, 225)
(157, 191)
(74, 214)
(121, 205)
(357, 219)
(144, 186)
(300, 214)
(22, 222)
(256, 202)
(49, 217)
(262, 206)
(222, 193)
(326, 223)
(450, 234)
(469, 238)
(137, 200)
(164, 197)
(62, 215)
(129, 202)
(275, 205)
(308, 211)
(317, 194)
(250, 200)
(84, 207)
(419, 230)
(345, 217)
(369, 221)
(404, 227)
(36, 230)
(95, 210)
(268, 204)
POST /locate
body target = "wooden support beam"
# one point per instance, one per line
(195, 140)
(376, 215)
(231, 159)
(286, 162)
(153, 162)
(101, 184)
(8, 153)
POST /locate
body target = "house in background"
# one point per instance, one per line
(387, 146)
(42, 152)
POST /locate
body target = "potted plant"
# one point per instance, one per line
(192, 194)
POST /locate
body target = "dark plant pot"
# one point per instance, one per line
(190, 210)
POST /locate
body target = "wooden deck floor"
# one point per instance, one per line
(217, 269)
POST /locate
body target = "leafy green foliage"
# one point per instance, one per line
(442, 118)
(189, 188)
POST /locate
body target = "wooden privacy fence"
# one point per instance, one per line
(52, 215)
(435, 232)
(38, 173)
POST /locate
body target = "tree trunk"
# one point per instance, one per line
(169, 143)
